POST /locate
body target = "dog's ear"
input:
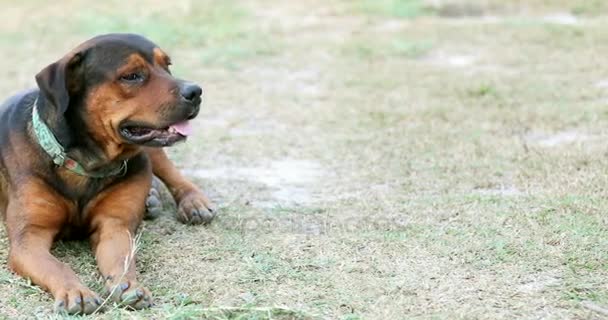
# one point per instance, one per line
(61, 79)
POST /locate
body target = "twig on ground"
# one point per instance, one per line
(134, 244)
(269, 311)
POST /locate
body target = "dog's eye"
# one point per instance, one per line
(132, 77)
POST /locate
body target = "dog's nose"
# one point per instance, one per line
(191, 91)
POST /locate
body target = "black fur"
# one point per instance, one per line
(60, 98)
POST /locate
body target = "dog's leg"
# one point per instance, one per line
(154, 204)
(34, 217)
(192, 204)
(115, 216)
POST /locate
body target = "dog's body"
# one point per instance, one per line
(110, 104)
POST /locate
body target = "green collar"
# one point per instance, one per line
(53, 148)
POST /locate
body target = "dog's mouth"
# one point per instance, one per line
(151, 136)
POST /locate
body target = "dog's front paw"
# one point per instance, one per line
(76, 300)
(195, 208)
(154, 204)
(130, 294)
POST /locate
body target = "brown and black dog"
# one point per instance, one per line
(110, 105)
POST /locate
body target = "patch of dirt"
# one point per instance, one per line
(458, 10)
(539, 282)
(562, 18)
(289, 181)
(470, 61)
(558, 139)
(508, 191)
(453, 60)
(602, 84)
(304, 81)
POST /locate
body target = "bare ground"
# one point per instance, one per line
(372, 159)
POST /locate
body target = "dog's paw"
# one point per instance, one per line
(130, 294)
(195, 208)
(154, 204)
(79, 300)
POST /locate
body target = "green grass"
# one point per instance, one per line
(378, 48)
(392, 8)
(220, 29)
(216, 33)
(591, 8)
(435, 167)
(184, 24)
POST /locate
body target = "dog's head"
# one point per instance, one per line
(118, 88)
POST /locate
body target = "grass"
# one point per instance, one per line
(377, 48)
(391, 8)
(433, 166)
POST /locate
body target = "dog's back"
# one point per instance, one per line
(12, 121)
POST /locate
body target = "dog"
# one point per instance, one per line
(77, 159)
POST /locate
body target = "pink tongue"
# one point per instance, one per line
(184, 128)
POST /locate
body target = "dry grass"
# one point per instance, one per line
(372, 159)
